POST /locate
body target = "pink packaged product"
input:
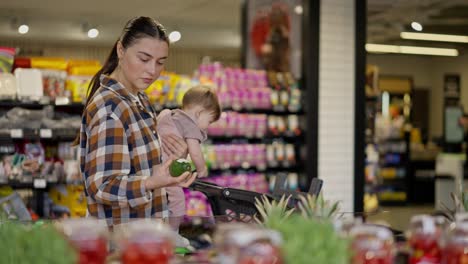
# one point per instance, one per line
(231, 119)
(197, 204)
(224, 99)
(241, 124)
(249, 130)
(242, 82)
(257, 182)
(264, 98)
(219, 162)
(242, 98)
(260, 125)
(236, 104)
(259, 156)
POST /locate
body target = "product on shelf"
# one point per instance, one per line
(71, 197)
(238, 243)
(455, 244)
(226, 156)
(7, 86)
(371, 244)
(79, 76)
(252, 89)
(29, 84)
(145, 241)
(424, 234)
(7, 55)
(54, 83)
(89, 237)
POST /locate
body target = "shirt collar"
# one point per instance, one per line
(112, 84)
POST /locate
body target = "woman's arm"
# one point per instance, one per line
(107, 166)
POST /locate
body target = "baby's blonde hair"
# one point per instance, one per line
(204, 96)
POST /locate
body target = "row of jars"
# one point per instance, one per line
(430, 240)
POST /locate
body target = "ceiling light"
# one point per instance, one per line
(93, 33)
(416, 26)
(378, 48)
(174, 36)
(434, 37)
(298, 9)
(23, 29)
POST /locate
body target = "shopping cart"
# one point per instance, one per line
(239, 205)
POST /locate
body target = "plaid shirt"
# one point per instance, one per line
(118, 148)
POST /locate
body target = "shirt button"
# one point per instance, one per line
(154, 132)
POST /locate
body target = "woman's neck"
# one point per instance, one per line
(120, 77)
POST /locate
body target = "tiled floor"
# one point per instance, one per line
(399, 217)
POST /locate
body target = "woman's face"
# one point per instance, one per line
(142, 62)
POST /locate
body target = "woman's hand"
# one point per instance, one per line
(162, 178)
(174, 146)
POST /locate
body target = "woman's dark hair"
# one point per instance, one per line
(136, 28)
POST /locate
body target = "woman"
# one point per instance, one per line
(120, 150)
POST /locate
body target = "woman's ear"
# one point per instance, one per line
(120, 50)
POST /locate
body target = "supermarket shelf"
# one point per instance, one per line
(264, 111)
(392, 203)
(246, 111)
(36, 105)
(35, 134)
(254, 169)
(26, 185)
(255, 140)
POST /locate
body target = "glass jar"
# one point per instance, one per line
(145, 241)
(455, 244)
(423, 238)
(89, 236)
(372, 245)
(245, 244)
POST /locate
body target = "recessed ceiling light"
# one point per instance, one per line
(434, 37)
(23, 29)
(298, 9)
(379, 48)
(416, 26)
(93, 33)
(175, 36)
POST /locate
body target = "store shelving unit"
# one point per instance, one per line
(394, 150)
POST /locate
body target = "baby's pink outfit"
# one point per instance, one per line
(183, 125)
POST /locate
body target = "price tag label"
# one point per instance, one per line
(40, 183)
(16, 133)
(45, 133)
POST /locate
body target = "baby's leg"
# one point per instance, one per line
(176, 204)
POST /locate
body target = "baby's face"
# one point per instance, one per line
(205, 119)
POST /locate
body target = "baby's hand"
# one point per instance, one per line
(202, 174)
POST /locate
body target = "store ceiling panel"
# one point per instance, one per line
(203, 23)
(212, 23)
(388, 18)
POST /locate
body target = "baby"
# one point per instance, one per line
(200, 108)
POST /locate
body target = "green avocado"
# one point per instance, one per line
(179, 166)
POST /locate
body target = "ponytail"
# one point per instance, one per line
(109, 66)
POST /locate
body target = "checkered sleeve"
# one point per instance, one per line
(108, 168)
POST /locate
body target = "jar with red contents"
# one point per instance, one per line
(89, 236)
(372, 244)
(245, 244)
(455, 244)
(423, 238)
(145, 241)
